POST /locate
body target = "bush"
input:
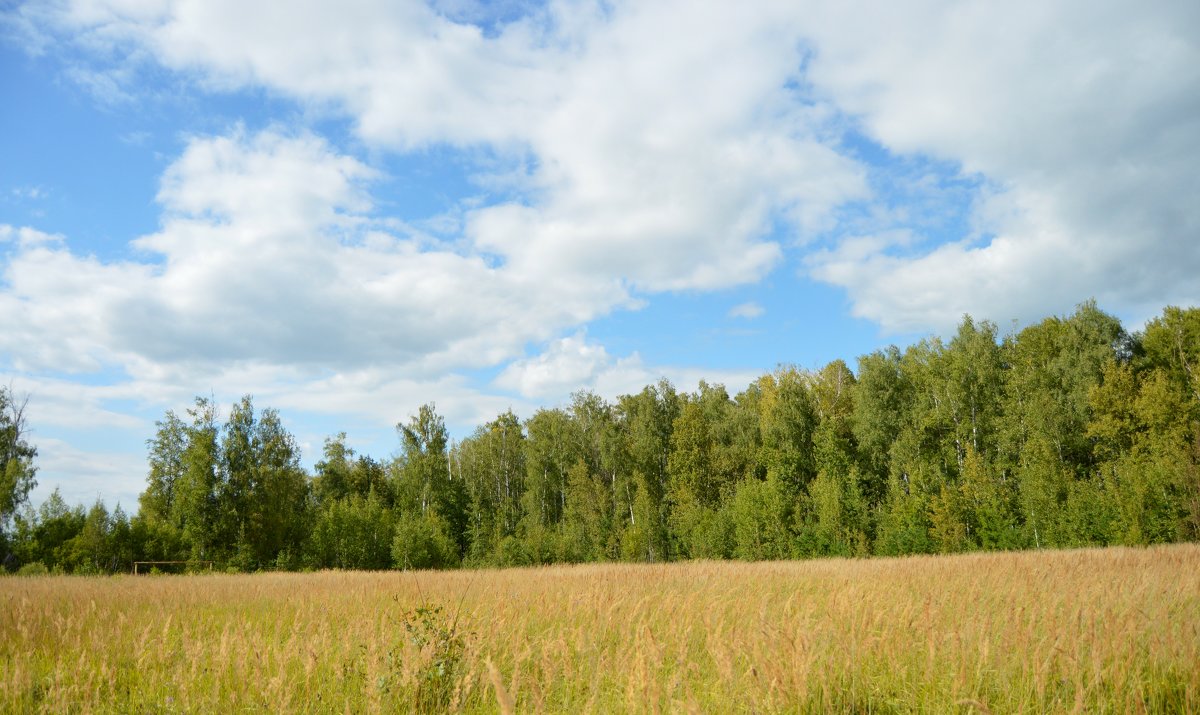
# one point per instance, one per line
(423, 542)
(37, 568)
(426, 667)
(442, 647)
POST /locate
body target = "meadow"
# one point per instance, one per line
(1101, 630)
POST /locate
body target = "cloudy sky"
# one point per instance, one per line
(350, 208)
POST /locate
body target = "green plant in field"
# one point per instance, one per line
(439, 665)
(37, 568)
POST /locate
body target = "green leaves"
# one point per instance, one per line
(16, 456)
(423, 541)
(1070, 432)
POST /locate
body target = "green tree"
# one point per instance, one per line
(263, 494)
(646, 421)
(904, 519)
(692, 472)
(920, 457)
(1172, 342)
(91, 548)
(490, 465)
(968, 382)
(1045, 449)
(17, 470)
(423, 541)
(340, 474)
(694, 485)
(759, 512)
(1143, 428)
(122, 548)
(167, 466)
(1148, 480)
(833, 516)
(154, 540)
(605, 459)
(53, 533)
(195, 509)
(586, 520)
(281, 514)
(551, 448)
(353, 532)
(883, 398)
(333, 479)
(787, 420)
(988, 501)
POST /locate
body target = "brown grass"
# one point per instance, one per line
(1113, 630)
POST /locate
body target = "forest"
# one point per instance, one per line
(1070, 432)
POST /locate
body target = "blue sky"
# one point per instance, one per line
(349, 209)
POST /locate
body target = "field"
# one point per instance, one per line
(1113, 630)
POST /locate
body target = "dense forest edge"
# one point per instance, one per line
(1071, 432)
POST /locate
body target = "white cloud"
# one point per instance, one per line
(574, 363)
(666, 142)
(641, 160)
(1083, 115)
(82, 476)
(630, 375)
(748, 311)
(386, 398)
(567, 364)
(64, 403)
(658, 144)
(269, 276)
(26, 237)
(267, 255)
(631, 148)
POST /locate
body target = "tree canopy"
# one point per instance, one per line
(1069, 432)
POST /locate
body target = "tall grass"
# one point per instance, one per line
(1113, 630)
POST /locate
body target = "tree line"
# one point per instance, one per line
(1070, 432)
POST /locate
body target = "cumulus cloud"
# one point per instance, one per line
(384, 397)
(632, 148)
(267, 254)
(1082, 117)
(567, 364)
(66, 403)
(83, 476)
(664, 145)
(575, 363)
(269, 275)
(26, 237)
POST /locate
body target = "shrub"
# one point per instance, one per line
(37, 568)
(423, 542)
(429, 682)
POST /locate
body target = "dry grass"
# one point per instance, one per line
(1114, 630)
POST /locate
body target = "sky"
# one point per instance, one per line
(349, 209)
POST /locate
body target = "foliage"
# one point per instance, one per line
(352, 533)
(35, 568)
(16, 456)
(423, 542)
(441, 648)
(1069, 432)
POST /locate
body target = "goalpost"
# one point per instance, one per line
(152, 564)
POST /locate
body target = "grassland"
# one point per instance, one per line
(1114, 630)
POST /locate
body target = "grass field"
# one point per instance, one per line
(1114, 630)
